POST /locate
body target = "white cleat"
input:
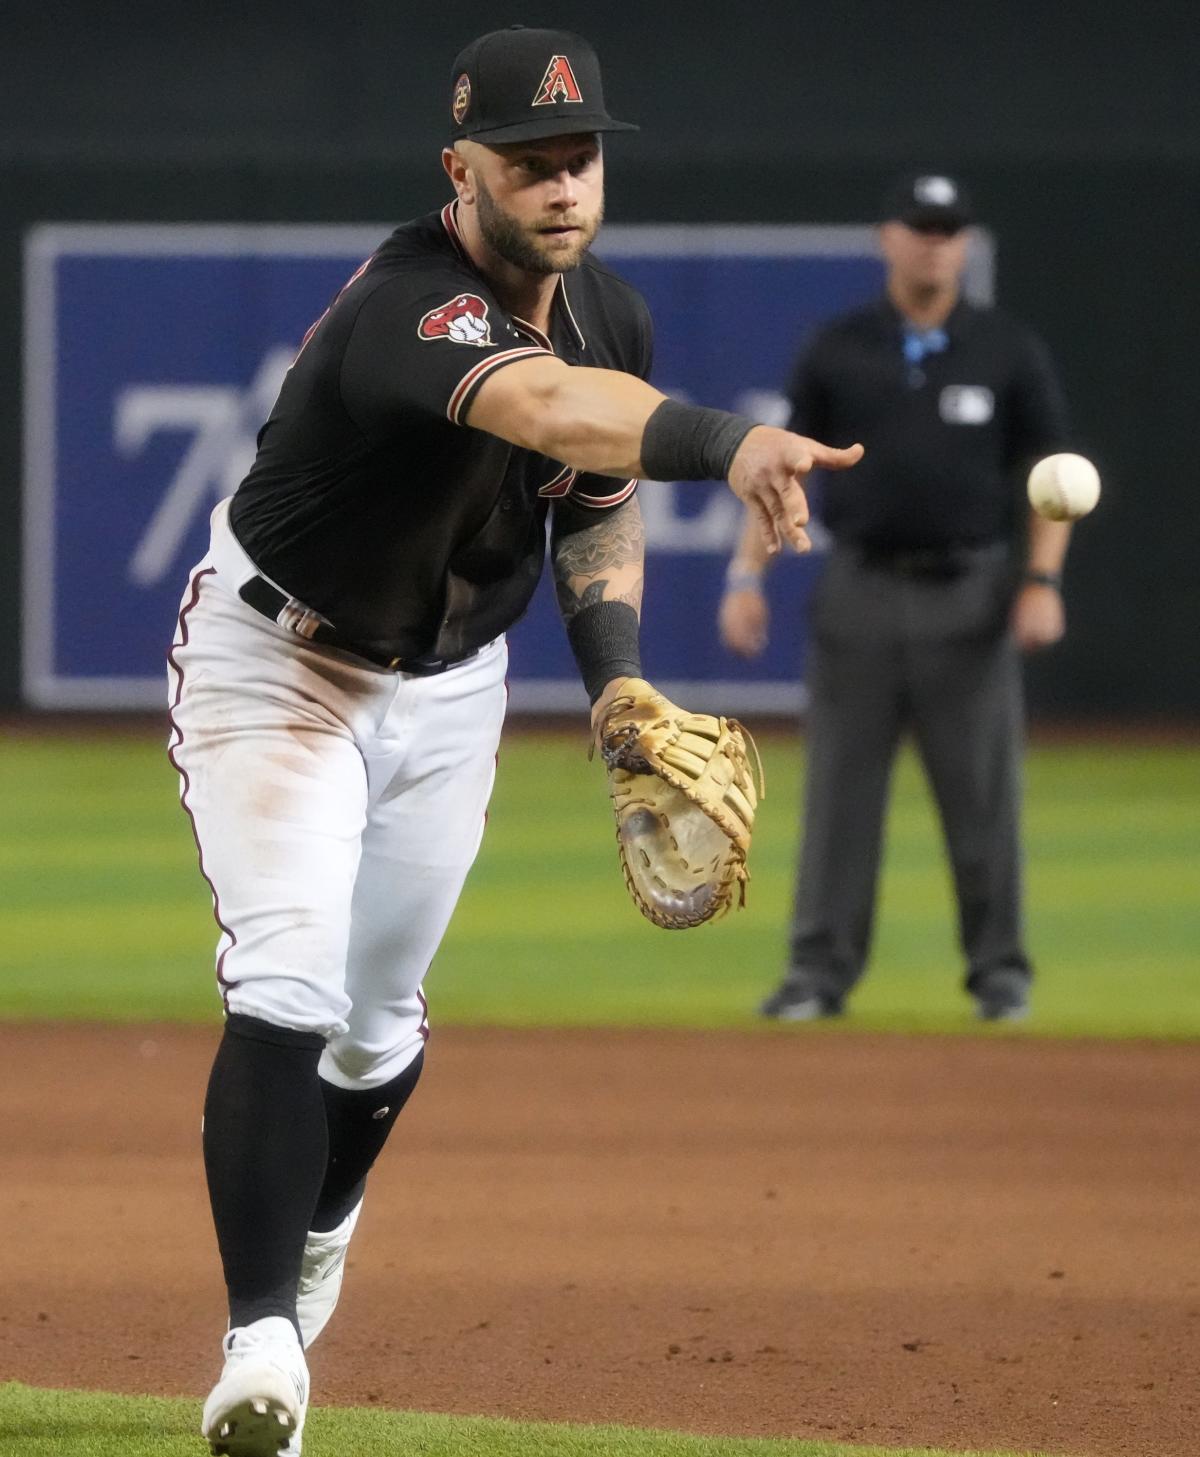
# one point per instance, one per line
(321, 1276)
(258, 1406)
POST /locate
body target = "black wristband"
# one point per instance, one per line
(1045, 579)
(604, 639)
(691, 442)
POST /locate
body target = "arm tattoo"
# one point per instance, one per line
(586, 562)
(616, 540)
(571, 602)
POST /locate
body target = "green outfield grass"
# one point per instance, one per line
(103, 914)
(74, 1424)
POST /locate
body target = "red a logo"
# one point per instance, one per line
(558, 84)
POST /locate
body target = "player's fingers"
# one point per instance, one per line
(789, 506)
(766, 525)
(793, 504)
(791, 513)
(830, 457)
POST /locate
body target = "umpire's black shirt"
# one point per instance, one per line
(945, 438)
(370, 500)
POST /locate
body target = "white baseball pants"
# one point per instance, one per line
(337, 808)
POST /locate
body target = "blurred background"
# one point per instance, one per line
(1077, 131)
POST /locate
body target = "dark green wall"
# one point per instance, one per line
(1080, 140)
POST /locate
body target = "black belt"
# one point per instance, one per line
(939, 563)
(271, 602)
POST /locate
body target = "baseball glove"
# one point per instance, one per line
(684, 800)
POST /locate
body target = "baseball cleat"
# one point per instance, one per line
(321, 1276)
(257, 1408)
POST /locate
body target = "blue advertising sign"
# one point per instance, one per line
(154, 352)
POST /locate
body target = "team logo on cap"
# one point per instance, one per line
(462, 98)
(558, 84)
(463, 320)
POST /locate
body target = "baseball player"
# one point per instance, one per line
(337, 675)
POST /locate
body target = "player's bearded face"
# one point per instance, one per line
(544, 224)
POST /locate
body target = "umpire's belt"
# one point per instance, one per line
(937, 563)
(288, 613)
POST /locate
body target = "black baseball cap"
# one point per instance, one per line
(519, 84)
(928, 200)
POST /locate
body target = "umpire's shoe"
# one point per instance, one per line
(1002, 995)
(796, 999)
(321, 1276)
(257, 1408)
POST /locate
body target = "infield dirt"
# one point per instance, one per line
(976, 1243)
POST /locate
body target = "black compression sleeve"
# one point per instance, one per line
(691, 442)
(265, 1153)
(604, 639)
(359, 1121)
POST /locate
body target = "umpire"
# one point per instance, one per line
(939, 575)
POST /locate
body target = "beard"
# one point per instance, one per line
(521, 245)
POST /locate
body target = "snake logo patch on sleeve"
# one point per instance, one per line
(463, 319)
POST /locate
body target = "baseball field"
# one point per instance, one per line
(622, 1215)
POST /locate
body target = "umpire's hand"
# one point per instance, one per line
(1039, 619)
(743, 620)
(767, 472)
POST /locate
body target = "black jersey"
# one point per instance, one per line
(369, 499)
(946, 438)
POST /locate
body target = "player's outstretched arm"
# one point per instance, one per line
(611, 423)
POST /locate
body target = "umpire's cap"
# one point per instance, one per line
(928, 200)
(519, 84)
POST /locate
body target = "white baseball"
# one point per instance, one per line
(1064, 487)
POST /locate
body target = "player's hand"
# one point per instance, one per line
(1039, 619)
(600, 707)
(743, 619)
(767, 474)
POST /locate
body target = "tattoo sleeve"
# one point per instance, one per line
(601, 560)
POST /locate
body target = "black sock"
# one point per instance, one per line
(359, 1122)
(265, 1150)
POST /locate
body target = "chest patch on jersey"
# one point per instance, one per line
(463, 320)
(966, 404)
(561, 483)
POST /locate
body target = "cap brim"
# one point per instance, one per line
(561, 124)
(935, 217)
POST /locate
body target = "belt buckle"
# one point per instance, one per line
(420, 667)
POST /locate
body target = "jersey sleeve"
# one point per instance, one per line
(425, 344)
(1039, 420)
(602, 493)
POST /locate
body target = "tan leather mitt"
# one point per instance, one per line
(684, 799)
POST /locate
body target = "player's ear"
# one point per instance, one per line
(457, 163)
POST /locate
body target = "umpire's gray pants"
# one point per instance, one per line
(892, 652)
